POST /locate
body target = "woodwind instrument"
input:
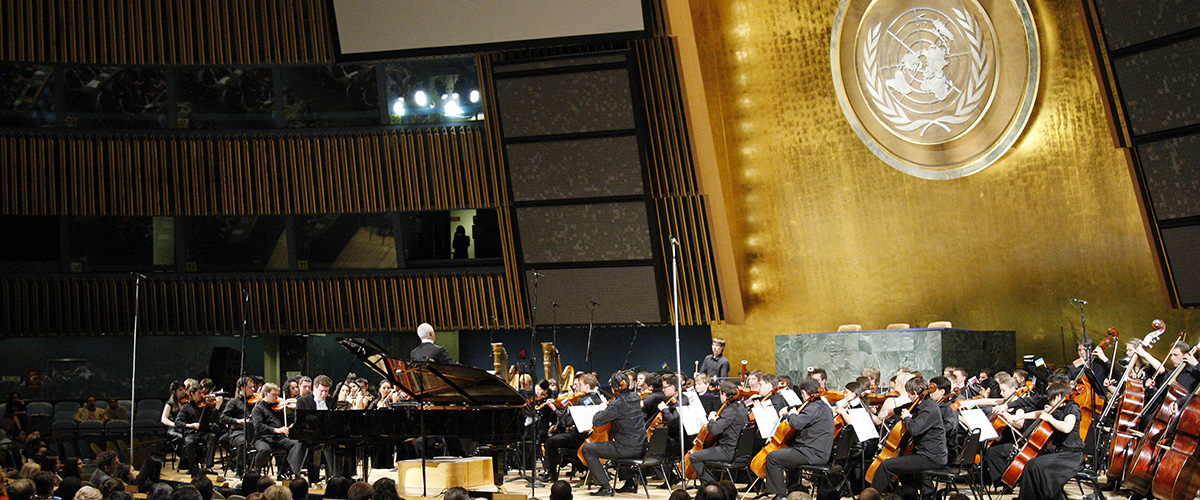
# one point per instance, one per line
(552, 364)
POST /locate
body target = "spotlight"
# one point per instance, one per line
(420, 99)
(453, 109)
(474, 96)
(398, 107)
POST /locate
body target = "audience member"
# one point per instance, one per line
(264, 482)
(204, 485)
(728, 488)
(158, 491)
(72, 467)
(299, 487)
(50, 463)
(256, 496)
(119, 495)
(106, 463)
(21, 489)
(150, 474)
(680, 494)
(29, 469)
(870, 494)
(710, 491)
(68, 487)
(184, 492)
(277, 492)
(89, 412)
(385, 489)
(336, 487)
(88, 492)
(125, 473)
(110, 485)
(3, 485)
(360, 490)
(249, 483)
(44, 483)
(560, 490)
(115, 411)
(457, 493)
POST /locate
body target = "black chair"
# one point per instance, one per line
(1092, 478)
(967, 470)
(839, 461)
(741, 455)
(654, 457)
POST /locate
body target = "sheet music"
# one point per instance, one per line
(767, 417)
(977, 420)
(860, 421)
(691, 415)
(583, 415)
(790, 396)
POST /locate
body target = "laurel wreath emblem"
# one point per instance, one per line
(968, 100)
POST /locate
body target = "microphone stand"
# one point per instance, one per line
(678, 363)
(554, 328)
(625, 365)
(591, 317)
(137, 288)
(536, 414)
(242, 378)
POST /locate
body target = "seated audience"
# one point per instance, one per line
(67, 487)
(299, 488)
(361, 490)
(89, 412)
(560, 490)
(337, 487)
(88, 492)
(385, 489)
(21, 489)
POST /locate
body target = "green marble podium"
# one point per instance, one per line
(844, 354)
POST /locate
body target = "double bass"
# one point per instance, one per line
(1034, 442)
(898, 441)
(1123, 443)
(1140, 474)
(1178, 474)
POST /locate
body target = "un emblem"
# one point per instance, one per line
(938, 89)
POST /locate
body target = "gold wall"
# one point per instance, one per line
(824, 233)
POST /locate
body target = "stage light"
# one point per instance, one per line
(474, 97)
(420, 99)
(398, 108)
(453, 109)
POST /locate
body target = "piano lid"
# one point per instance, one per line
(433, 382)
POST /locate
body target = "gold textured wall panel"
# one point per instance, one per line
(827, 234)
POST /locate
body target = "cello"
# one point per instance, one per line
(1087, 399)
(1178, 474)
(1034, 442)
(703, 440)
(1140, 474)
(898, 440)
(1122, 444)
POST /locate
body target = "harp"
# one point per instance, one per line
(554, 369)
(510, 374)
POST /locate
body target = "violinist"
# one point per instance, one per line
(236, 412)
(820, 375)
(813, 441)
(197, 421)
(726, 428)
(1062, 457)
(271, 433)
(628, 435)
(708, 398)
(669, 409)
(925, 426)
(650, 400)
(563, 434)
(998, 454)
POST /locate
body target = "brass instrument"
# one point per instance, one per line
(510, 374)
(565, 376)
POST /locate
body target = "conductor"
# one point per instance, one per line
(429, 352)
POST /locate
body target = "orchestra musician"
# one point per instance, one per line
(669, 410)
(270, 433)
(715, 365)
(235, 413)
(428, 351)
(708, 398)
(628, 435)
(197, 422)
(726, 428)
(563, 434)
(650, 400)
(320, 399)
(1143, 363)
(1090, 359)
(925, 426)
(813, 441)
(1062, 457)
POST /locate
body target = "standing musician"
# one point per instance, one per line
(428, 351)
(716, 365)
(563, 434)
(320, 399)
(924, 424)
(271, 433)
(813, 425)
(726, 428)
(628, 434)
(197, 421)
(235, 414)
(1062, 457)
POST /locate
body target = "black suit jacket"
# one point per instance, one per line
(428, 352)
(309, 402)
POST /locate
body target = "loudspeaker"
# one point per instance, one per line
(224, 367)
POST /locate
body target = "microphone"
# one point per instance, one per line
(594, 303)
(554, 304)
(674, 241)
(246, 295)
(535, 273)
(1078, 301)
(138, 275)
(639, 323)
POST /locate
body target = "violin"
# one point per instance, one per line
(209, 400)
(562, 401)
(280, 405)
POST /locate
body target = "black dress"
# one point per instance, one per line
(1045, 475)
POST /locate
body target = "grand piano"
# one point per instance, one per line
(453, 401)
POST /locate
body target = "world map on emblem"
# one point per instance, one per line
(927, 73)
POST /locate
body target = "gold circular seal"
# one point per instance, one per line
(938, 89)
